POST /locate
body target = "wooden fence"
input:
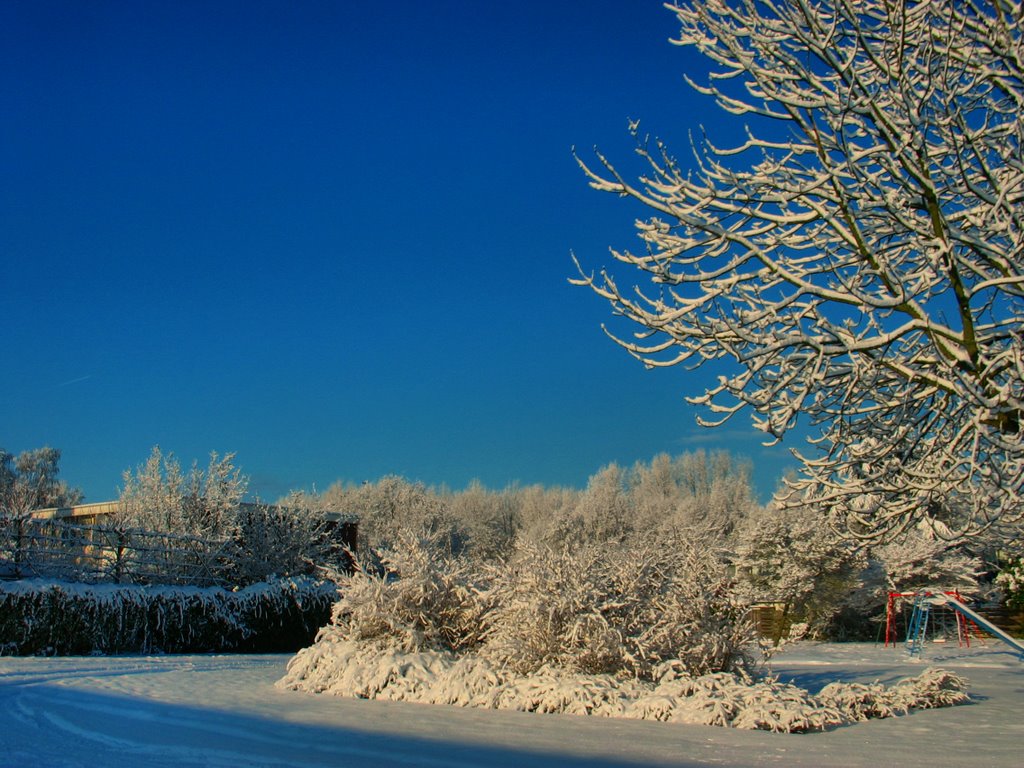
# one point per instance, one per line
(31, 548)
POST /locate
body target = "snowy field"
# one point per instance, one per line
(224, 711)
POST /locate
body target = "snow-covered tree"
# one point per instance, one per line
(392, 505)
(490, 519)
(1011, 580)
(915, 560)
(691, 492)
(602, 512)
(152, 495)
(918, 560)
(29, 482)
(540, 511)
(792, 556)
(859, 257)
(158, 496)
(285, 539)
(212, 497)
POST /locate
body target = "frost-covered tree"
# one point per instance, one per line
(1011, 581)
(213, 495)
(694, 491)
(859, 257)
(490, 519)
(791, 555)
(285, 539)
(918, 560)
(152, 495)
(914, 561)
(602, 512)
(540, 511)
(392, 505)
(158, 496)
(29, 481)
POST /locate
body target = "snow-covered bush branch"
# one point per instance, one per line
(1011, 581)
(423, 597)
(622, 609)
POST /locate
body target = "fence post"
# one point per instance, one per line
(119, 557)
(19, 539)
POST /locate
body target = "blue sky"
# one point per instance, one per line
(333, 238)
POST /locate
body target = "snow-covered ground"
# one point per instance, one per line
(185, 711)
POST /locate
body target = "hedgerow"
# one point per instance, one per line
(53, 618)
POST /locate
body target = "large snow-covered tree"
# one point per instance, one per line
(858, 259)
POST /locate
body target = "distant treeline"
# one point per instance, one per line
(693, 492)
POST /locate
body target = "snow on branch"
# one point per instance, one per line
(858, 258)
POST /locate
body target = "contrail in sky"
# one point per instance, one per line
(74, 381)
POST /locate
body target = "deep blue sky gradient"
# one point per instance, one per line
(332, 237)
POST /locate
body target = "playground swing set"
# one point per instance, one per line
(966, 622)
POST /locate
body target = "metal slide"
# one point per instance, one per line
(981, 621)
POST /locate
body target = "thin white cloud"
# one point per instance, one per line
(716, 436)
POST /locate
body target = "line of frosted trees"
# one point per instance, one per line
(784, 554)
(781, 553)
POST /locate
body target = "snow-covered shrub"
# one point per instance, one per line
(363, 670)
(726, 699)
(793, 556)
(347, 668)
(425, 598)
(41, 617)
(615, 609)
(287, 540)
(1011, 581)
(551, 690)
(635, 630)
(932, 688)
(390, 506)
(860, 701)
(592, 609)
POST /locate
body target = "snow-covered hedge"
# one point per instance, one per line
(52, 618)
(367, 670)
